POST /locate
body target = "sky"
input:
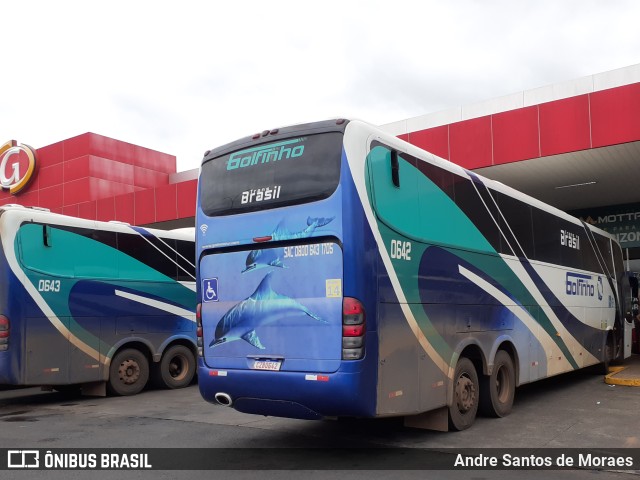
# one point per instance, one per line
(185, 77)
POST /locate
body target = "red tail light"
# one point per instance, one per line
(199, 329)
(4, 333)
(353, 329)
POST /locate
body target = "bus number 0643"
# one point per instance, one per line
(400, 250)
(49, 285)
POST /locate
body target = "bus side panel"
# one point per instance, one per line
(409, 381)
(47, 352)
(73, 324)
(361, 266)
(464, 271)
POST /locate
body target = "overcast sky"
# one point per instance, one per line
(186, 76)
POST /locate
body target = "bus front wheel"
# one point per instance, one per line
(128, 373)
(177, 367)
(464, 407)
(498, 390)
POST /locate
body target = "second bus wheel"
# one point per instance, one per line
(498, 390)
(177, 367)
(128, 373)
(462, 411)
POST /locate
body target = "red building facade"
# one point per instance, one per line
(100, 178)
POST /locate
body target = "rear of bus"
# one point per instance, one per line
(283, 324)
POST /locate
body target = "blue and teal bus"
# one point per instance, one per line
(343, 272)
(94, 306)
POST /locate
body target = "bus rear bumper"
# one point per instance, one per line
(289, 394)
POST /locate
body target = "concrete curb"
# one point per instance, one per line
(628, 376)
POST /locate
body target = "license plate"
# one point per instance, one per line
(273, 365)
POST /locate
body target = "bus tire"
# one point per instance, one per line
(462, 411)
(177, 367)
(128, 372)
(498, 390)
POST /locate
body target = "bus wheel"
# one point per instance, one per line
(498, 389)
(177, 367)
(128, 373)
(463, 410)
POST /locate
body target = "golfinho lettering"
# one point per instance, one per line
(581, 285)
(266, 153)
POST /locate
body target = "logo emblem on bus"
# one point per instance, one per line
(13, 152)
(204, 228)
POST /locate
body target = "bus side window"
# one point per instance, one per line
(475, 201)
(604, 245)
(516, 224)
(546, 236)
(186, 261)
(142, 251)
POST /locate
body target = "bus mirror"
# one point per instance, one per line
(395, 169)
(46, 235)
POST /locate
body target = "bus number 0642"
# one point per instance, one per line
(400, 250)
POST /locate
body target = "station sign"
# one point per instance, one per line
(622, 221)
(17, 166)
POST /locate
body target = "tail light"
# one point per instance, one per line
(199, 329)
(4, 333)
(353, 329)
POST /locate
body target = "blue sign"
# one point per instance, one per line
(210, 289)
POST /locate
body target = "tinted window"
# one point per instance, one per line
(186, 261)
(604, 245)
(546, 236)
(516, 223)
(285, 172)
(575, 249)
(142, 250)
(474, 200)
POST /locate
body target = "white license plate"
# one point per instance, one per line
(267, 365)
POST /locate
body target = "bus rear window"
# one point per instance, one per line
(285, 172)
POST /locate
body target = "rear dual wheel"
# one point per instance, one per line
(493, 394)
(177, 367)
(497, 390)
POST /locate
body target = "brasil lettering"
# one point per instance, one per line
(568, 239)
(260, 194)
(266, 153)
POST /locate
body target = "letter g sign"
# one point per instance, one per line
(12, 155)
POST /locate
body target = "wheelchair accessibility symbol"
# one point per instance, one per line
(210, 290)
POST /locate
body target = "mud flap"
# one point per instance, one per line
(437, 420)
